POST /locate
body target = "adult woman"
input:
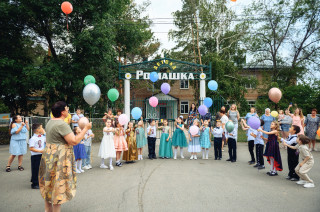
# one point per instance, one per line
(220, 113)
(18, 143)
(192, 114)
(312, 125)
(251, 114)
(267, 118)
(285, 124)
(297, 119)
(57, 177)
(224, 119)
(234, 116)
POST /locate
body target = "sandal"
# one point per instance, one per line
(20, 168)
(8, 169)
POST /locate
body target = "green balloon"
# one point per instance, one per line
(113, 94)
(89, 79)
(229, 126)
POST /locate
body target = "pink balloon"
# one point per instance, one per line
(194, 130)
(123, 119)
(83, 122)
(153, 101)
(275, 95)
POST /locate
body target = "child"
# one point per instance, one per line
(131, 154)
(272, 152)
(307, 161)
(250, 140)
(293, 158)
(179, 138)
(87, 145)
(107, 149)
(152, 137)
(165, 148)
(120, 143)
(140, 139)
(232, 144)
(79, 152)
(194, 144)
(259, 142)
(217, 140)
(205, 140)
(36, 145)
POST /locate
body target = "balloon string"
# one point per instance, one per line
(67, 23)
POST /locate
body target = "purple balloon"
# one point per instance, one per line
(203, 110)
(254, 122)
(165, 88)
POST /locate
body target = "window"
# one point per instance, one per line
(184, 107)
(251, 103)
(184, 84)
(248, 86)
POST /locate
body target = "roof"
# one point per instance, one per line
(163, 97)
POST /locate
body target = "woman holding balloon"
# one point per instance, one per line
(234, 116)
(297, 119)
(268, 119)
(192, 114)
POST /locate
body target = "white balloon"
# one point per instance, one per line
(91, 93)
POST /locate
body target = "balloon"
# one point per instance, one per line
(318, 132)
(136, 113)
(233, 0)
(153, 101)
(203, 110)
(194, 130)
(154, 76)
(123, 119)
(275, 95)
(229, 126)
(66, 7)
(212, 85)
(91, 93)
(274, 114)
(165, 88)
(89, 79)
(83, 122)
(113, 94)
(254, 122)
(208, 102)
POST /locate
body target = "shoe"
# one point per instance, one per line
(191, 158)
(294, 179)
(141, 158)
(154, 157)
(86, 167)
(288, 178)
(175, 158)
(103, 166)
(219, 158)
(150, 158)
(309, 185)
(251, 162)
(228, 159)
(89, 166)
(314, 149)
(34, 186)
(268, 173)
(261, 167)
(222, 150)
(195, 157)
(82, 170)
(216, 159)
(207, 157)
(301, 182)
(256, 166)
(119, 164)
(162, 157)
(273, 174)
(182, 157)
(111, 168)
(78, 172)
(232, 161)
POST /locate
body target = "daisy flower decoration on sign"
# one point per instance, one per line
(128, 76)
(202, 76)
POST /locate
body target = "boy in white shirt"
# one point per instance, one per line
(232, 144)
(217, 140)
(259, 142)
(152, 137)
(36, 145)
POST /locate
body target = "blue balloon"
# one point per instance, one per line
(154, 76)
(212, 85)
(208, 102)
(136, 113)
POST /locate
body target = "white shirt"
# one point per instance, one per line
(88, 140)
(258, 139)
(292, 139)
(153, 131)
(76, 117)
(250, 137)
(234, 134)
(224, 119)
(38, 142)
(217, 132)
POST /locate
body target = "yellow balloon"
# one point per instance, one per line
(274, 114)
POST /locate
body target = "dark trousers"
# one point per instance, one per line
(232, 146)
(217, 143)
(293, 161)
(251, 149)
(152, 147)
(259, 154)
(35, 163)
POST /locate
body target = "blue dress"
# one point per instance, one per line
(18, 143)
(179, 138)
(165, 147)
(205, 138)
(267, 123)
(79, 151)
(249, 115)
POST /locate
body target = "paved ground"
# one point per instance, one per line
(169, 185)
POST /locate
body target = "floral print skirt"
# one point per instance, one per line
(57, 176)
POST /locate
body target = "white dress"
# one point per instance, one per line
(107, 149)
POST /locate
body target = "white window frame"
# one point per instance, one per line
(251, 100)
(184, 88)
(184, 106)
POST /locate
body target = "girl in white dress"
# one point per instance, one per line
(107, 149)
